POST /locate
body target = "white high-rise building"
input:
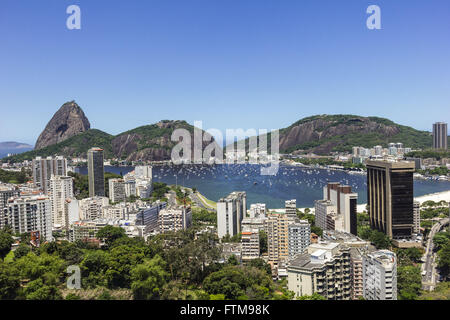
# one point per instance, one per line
(174, 219)
(144, 188)
(61, 189)
(144, 172)
(30, 214)
(116, 190)
(291, 208)
(378, 150)
(44, 168)
(92, 208)
(380, 275)
(6, 192)
(230, 212)
(324, 269)
(299, 233)
(250, 244)
(345, 201)
(72, 211)
(257, 210)
(324, 210)
(130, 188)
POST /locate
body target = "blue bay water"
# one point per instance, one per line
(303, 184)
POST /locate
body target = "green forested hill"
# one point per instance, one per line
(323, 134)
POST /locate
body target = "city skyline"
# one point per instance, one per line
(147, 62)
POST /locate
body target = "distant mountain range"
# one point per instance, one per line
(322, 134)
(13, 147)
(68, 133)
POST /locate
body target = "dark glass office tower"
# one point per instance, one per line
(440, 135)
(96, 173)
(390, 197)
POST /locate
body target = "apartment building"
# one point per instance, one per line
(60, 189)
(254, 223)
(144, 172)
(148, 217)
(326, 215)
(257, 210)
(6, 191)
(250, 244)
(130, 188)
(380, 275)
(277, 228)
(323, 269)
(345, 201)
(299, 237)
(230, 212)
(30, 214)
(116, 190)
(44, 168)
(291, 208)
(92, 208)
(174, 219)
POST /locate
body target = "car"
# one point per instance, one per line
(424, 272)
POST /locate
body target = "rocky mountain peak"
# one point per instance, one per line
(67, 122)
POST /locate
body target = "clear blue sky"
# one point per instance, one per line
(231, 63)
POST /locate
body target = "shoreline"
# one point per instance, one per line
(436, 197)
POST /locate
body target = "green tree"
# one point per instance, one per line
(232, 260)
(121, 260)
(262, 242)
(148, 279)
(408, 256)
(93, 268)
(317, 230)
(235, 282)
(44, 274)
(314, 296)
(380, 240)
(109, 234)
(444, 260)
(409, 282)
(21, 251)
(9, 281)
(6, 241)
(261, 265)
(39, 290)
(65, 250)
(441, 239)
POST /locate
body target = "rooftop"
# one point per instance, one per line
(233, 196)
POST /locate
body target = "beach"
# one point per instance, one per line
(436, 197)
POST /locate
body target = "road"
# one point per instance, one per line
(429, 279)
(196, 198)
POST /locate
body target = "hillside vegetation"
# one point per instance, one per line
(323, 134)
(150, 142)
(73, 147)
